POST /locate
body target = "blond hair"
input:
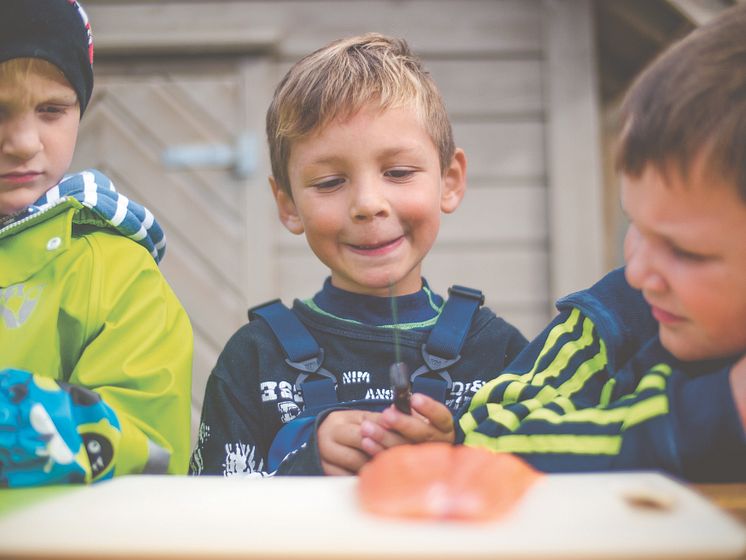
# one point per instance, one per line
(338, 80)
(16, 71)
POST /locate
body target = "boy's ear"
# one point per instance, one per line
(286, 209)
(454, 182)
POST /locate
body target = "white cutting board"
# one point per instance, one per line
(562, 516)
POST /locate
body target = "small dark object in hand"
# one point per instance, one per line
(399, 376)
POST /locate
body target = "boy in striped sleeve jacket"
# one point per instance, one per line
(95, 349)
(646, 369)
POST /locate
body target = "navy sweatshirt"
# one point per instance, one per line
(597, 391)
(252, 393)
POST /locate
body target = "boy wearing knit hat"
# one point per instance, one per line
(95, 349)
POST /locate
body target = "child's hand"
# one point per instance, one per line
(430, 421)
(340, 441)
(53, 432)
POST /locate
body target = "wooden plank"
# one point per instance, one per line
(501, 216)
(202, 109)
(215, 311)
(207, 236)
(205, 295)
(454, 28)
(489, 88)
(513, 279)
(514, 276)
(502, 151)
(197, 112)
(573, 140)
(257, 84)
(294, 28)
(210, 101)
(529, 321)
(155, 120)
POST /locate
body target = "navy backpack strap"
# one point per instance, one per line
(289, 438)
(302, 353)
(443, 346)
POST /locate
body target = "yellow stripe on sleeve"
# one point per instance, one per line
(647, 409)
(566, 354)
(554, 443)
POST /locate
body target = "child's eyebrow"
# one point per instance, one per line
(398, 150)
(690, 246)
(332, 159)
(60, 99)
(327, 159)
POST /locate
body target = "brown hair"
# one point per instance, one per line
(691, 100)
(338, 80)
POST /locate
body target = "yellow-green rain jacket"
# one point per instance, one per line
(83, 304)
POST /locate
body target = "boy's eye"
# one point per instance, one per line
(52, 109)
(687, 255)
(328, 184)
(399, 173)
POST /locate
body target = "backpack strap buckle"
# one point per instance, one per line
(469, 293)
(443, 346)
(302, 353)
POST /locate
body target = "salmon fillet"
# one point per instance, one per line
(443, 481)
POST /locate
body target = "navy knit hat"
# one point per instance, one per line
(54, 30)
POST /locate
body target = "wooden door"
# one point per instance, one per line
(140, 109)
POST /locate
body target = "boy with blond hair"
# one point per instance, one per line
(363, 164)
(95, 349)
(646, 369)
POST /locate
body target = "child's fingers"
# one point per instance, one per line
(342, 459)
(430, 420)
(436, 412)
(334, 470)
(371, 446)
(412, 428)
(415, 428)
(339, 442)
(373, 430)
(382, 436)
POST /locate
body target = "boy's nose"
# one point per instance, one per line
(19, 137)
(641, 263)
(368, 201)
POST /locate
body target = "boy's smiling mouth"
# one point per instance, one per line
(376, 248)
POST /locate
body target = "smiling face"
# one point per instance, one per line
(686, 250)
(39, 119)
(367, 192)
